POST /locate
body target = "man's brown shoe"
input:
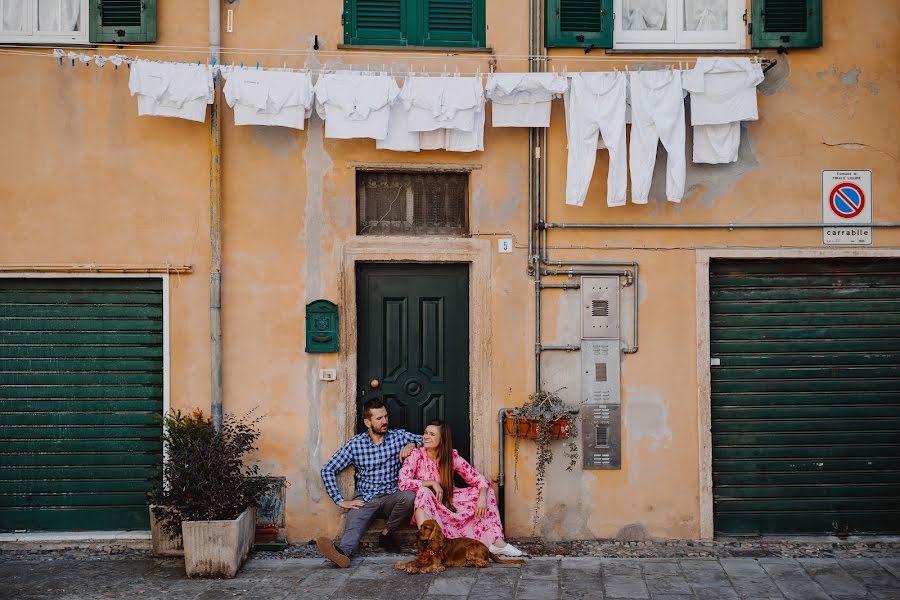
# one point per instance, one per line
(331, 552)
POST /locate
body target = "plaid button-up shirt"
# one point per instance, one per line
(377, 466)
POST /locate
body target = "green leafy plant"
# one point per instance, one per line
(546, 410)
(205, 475)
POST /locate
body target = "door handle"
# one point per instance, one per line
(374, 384)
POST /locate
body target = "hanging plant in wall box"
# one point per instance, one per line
(544, 418)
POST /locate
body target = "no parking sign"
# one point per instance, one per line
(846, 204)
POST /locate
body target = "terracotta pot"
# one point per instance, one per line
(528, 428)
(266, 533)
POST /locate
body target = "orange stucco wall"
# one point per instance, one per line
(84, 180)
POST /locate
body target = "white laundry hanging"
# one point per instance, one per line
(355, 105)
(723, 93)
(172, 89)
(264, 97)
(657, 114)
(595, 104)
(523, 99)
(454, 121)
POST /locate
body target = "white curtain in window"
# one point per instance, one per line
(644, 15)
(59, 15)
(706, 15)
(12, 15)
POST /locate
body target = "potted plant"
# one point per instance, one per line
(180, 430)
(208, 492)
(544, 418)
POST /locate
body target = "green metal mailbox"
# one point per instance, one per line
(321, 326)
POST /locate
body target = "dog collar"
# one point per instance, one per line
(430, 553)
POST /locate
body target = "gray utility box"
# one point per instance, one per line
(601, 374)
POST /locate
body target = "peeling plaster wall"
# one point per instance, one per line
(89, 181)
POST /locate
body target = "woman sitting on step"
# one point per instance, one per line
(461, 512)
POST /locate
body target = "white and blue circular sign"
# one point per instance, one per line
(847, 200)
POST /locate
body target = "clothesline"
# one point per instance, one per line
(117, 59)
(415, 56)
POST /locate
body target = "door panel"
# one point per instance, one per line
(413, 327)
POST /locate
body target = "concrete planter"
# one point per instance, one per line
(218, 548)
(163, 543)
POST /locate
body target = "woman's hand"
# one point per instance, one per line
(481, 504)
(436, 488)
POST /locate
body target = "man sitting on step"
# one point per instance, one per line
(377, 454)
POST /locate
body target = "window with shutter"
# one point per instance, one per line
(44, 21)
(787, 23)
(578, 23)
(123, 21)
(376, 22)
(457, 23)
(453, 23)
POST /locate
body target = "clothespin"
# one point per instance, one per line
(492, 68)
(257, 65)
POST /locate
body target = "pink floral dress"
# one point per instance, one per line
(463, 523)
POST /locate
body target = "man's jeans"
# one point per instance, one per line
(396, 507)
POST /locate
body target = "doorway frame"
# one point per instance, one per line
(704, 375)
(424, 250)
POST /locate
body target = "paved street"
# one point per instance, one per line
(27, 577)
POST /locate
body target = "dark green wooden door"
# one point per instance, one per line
(413, 328)
(81, 396)
(806, 398)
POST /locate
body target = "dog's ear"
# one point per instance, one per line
(436, 539)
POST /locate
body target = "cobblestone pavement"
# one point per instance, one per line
(71, 575)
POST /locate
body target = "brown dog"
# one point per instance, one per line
(437, 553)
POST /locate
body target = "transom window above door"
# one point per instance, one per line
(412, 203)
(664, 24)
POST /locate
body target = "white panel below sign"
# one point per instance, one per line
(846, 208)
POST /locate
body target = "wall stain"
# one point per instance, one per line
(318, 166)
(713, 181)
(280, 141)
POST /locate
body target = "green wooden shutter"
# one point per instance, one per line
(787, 23)
(452, 23)
(805, 396)
(377, 22)
(122, 21)
(81, 399)
(578, 24)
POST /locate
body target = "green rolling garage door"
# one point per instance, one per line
(806, 398)
(81, 396)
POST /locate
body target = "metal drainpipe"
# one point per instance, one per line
(215, 223)
(501, 471)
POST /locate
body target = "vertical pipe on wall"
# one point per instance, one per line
(215, 223)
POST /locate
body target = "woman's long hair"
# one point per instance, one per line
(445, 462)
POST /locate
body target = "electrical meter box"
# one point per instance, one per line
(321, 326)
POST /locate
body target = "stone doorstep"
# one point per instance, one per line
(405, 536)
(80, 540)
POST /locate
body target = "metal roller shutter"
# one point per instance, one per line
(806, 398)
(81, 397)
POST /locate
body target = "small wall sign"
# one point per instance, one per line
(846, 206)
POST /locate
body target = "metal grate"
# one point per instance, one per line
(404, 203)
(121, 13)
(785, 15)
(580, 15)
(600, 372)
(602, 439)
(600, 308)
(451, 15)
(379, 14)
